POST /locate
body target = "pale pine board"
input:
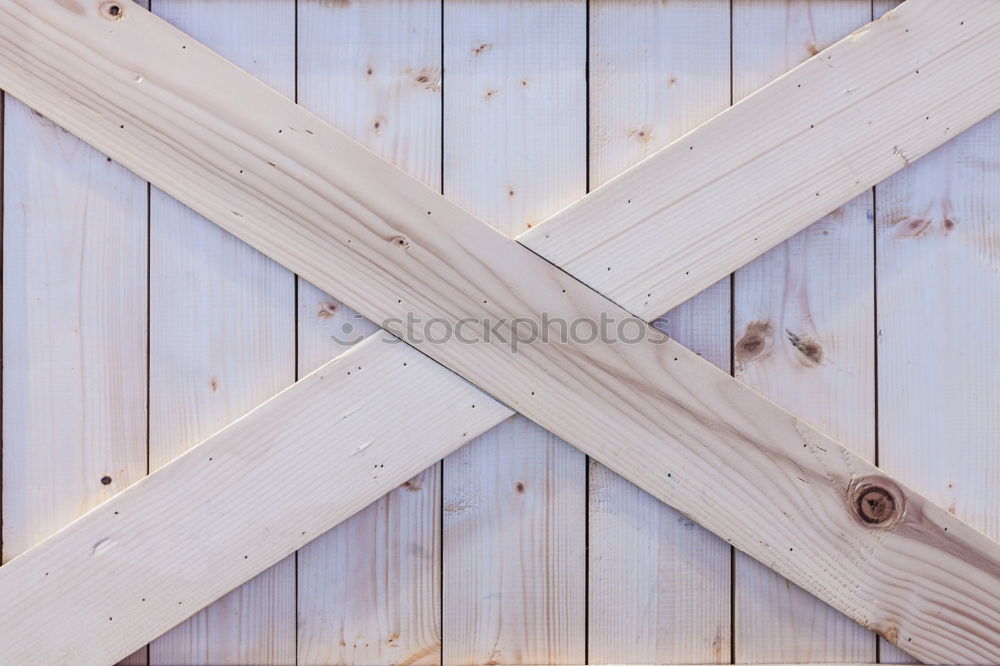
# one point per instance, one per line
(369, 590)
(74, 292)
(938, 251)
(514, 584)
(659, 589)
(803, 327)
(896, 361)
(887, 653)
(222, 325)
(577, 295)
(924, 45)
(316, 454)
(938, 294)
(74, 328)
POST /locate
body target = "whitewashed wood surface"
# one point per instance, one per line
(876, 324)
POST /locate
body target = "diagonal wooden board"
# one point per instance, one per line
(709, 200)
(783, 426)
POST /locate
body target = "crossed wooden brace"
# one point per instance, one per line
(276, 176)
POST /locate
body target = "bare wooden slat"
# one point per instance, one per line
(514, 524)
(804, 335)
(659, 587)
(74, 225)
(760, 437)
(849, 118)
(69, 336)
(369, 590)
(304, 460)
(74, 297)
(222, 333)
(938, 253)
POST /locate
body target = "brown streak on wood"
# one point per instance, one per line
(755, 342)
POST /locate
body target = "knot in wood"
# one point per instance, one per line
(113, 11)
(876, 505)
(877, 502)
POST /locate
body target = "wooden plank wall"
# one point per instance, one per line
(369, 590)
(515, 151)
(75, 327)
(875, 323)
(938, 302)
(659, 584)
(803, 316)
(222, 339)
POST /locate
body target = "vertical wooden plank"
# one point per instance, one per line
(74, 330)
(515, 499)
(369, 590)
(222, 340)
(74, 289)
(659, 587)
(887, 652)
(890, 366)
(938, 256)
(803, 323)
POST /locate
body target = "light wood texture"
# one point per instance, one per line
(244, 499)
(514, 539)
(938, 246)
(844, 125)
(74, 334)
(369, 590)
(222, 328)
(74, 291)
(901, 447)
(522, 532)
(893, 364)
(659, 588)
(74, 296)
(804, 334)
(675, 411)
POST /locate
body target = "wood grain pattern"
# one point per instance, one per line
(222, 332)
(804, 321)
(659, 587)
(938, 253)
(74, 228)
(306, 459)
(369, 590)
(897, 447)
(75, 222)
(845, 125)
(514, 500)
(759, 436)
(74, 334)
(51, 176)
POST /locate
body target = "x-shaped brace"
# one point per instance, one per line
(328, 209)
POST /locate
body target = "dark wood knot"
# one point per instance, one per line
(877, 502)
(112, 11)
(876, 505)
